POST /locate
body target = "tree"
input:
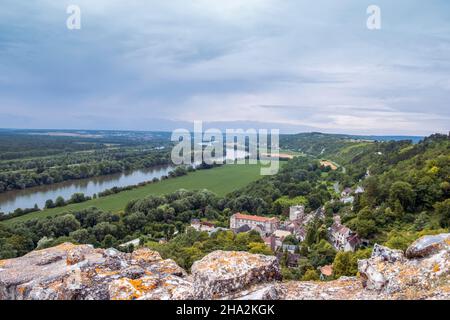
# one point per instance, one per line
(104, 228)
(60, 202)
(364, 228)
(109, 241)
(77, 198)
(399, 239)
(322, 253)
(342, 264)
(442, 210)
(49, 204)
(346, 263)
(311, 275)
(259, 248)
(290, 239)
(403, 192)
(80, 236)
(65, 224)
(135, 221)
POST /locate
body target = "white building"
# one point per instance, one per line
(296, 212)
(267, 225)
(343, 238)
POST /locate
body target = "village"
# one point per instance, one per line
(275, 232)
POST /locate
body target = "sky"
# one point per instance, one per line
(292, 65)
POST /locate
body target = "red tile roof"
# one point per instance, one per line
(254, 218)
(327, 270)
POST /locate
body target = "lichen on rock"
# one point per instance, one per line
(68, 272)
(222, 273)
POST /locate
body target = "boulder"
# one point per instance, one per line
(387, 254)
(372, 278)
(70, 272)
(221, 273)
(428, 245)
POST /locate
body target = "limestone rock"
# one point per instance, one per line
(68, 271)
(345, 288)
(80, 272)
(413, 278)
(151, 287)
(387, 254)
(428, 245)
(259, 292)
(221, 273)
(373, 279)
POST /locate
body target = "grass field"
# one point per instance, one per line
(221, 180)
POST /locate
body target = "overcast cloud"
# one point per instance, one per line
(296, 65)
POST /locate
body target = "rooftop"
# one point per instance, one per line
(327, 270)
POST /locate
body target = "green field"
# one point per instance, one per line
(221, 180)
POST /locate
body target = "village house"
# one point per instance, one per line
(270, 242)
(346, 192)
(280, 235)
(217, 229)
(135, 243)
(264, 225)
(297, 229)
(291, 248)
(296, 212)
(342, 238)
(348, 199)
(359, 190)
(202, 225)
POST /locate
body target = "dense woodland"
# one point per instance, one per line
(407, 189)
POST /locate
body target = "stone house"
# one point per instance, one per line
(266, 224)
(202, 225)
(342, 238)
(296, 212)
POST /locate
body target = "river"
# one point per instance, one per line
(27, 198)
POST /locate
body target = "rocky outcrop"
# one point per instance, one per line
(222, 273)
(387, 254)
(427, 277)
(388, 274)
(428, 245)
(81, 272)
(71, 272)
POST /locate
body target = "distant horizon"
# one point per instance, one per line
(169, 131)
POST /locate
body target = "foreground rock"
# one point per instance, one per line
(82, 272)
(222, 273)
(71, 272)
(395, 277)
(428, 245)
(387, 275)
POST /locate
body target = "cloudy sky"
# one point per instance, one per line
(289, 64)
